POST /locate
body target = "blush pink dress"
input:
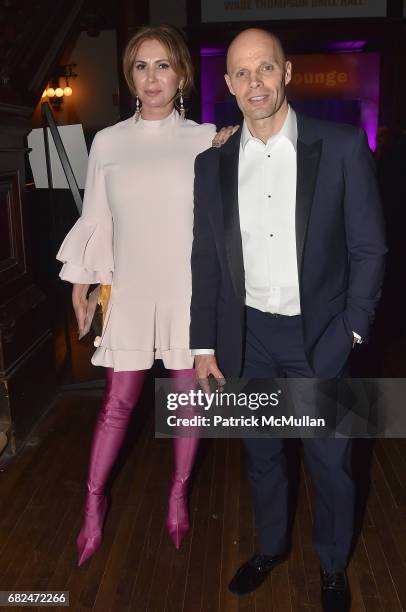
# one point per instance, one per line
(135, 233)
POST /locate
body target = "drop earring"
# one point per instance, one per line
(138, 108)
(182, 108)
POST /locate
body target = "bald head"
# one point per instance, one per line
(257, 75)
(252, 39)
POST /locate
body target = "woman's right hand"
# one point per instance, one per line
(79, 301)
(223, 135)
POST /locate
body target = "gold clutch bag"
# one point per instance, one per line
(97, 302)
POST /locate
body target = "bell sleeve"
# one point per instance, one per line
(87, 251)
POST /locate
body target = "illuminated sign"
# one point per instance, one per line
(269, 10)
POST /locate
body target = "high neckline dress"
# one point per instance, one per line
(135, 233)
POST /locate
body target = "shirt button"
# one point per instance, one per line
(269, 156)
(271, 235)
(269, 196)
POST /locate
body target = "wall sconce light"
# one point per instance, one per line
(55, 91)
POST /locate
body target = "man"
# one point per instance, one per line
(287, 267)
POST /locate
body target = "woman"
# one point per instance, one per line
(135, 233)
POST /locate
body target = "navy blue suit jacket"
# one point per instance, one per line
(339, 239)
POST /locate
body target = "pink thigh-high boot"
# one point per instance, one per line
(120, 397)
(185, 449)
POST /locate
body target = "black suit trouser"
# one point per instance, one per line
(274, 348)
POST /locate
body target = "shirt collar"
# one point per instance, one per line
(288, 130)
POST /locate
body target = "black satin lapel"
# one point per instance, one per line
(229, 193)
(308, 159)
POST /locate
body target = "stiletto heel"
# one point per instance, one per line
(91, 534)
(177, 522)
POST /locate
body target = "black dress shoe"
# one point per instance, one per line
(335, 592)
(253, 573)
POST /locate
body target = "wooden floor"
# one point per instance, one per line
(137, 568)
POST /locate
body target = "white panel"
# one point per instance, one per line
(74, 142)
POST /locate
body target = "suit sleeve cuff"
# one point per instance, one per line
(357, 337)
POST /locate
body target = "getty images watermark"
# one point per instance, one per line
(221, 400)
(288, 408)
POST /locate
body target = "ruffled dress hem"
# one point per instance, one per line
(133, 360)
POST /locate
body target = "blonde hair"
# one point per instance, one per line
(178, 53)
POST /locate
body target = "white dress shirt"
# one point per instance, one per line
(267, 203)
